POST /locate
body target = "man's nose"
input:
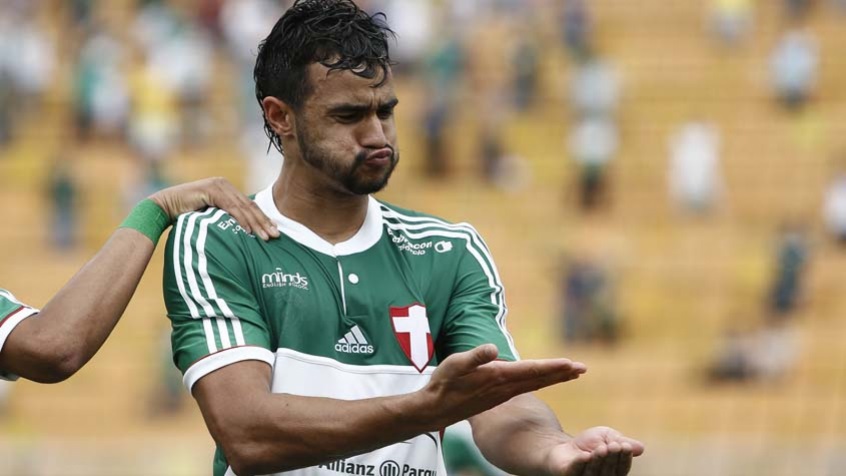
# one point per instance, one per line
(373, 133)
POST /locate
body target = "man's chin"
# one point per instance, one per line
(367, 188)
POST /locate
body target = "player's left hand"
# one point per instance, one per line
(598, 451)
(216, 192)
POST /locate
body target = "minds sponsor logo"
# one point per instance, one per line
(281, 279)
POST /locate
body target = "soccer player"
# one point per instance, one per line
(346, 345)
(50, 345)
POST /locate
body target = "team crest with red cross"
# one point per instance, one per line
(411, 326)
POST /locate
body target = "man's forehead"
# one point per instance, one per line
(334, 85)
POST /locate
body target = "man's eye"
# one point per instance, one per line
(347, 117)
(386, 113)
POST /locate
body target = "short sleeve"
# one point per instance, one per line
(12, 313)
(477, 311)
(215, 316)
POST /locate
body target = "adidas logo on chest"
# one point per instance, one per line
(354, 342)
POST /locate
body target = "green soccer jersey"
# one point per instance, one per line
(368, 317)
(12, 313)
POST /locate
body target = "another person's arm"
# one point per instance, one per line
(53, 344)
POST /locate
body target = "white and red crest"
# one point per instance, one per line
(411, 326)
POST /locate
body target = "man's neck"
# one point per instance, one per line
(333, 216)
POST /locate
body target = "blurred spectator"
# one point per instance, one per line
(694, 175)
(208, 17)
(835, 208)
(62, 194)
(588, 308)
(576, 27)
(492, 151)
(180, 54)
(595, 87)
(7, 96)
(146, 178)
(793, 67)
(411, 20)
(798, 8)
(186, 63)
(166, 398)
(525, 64)
(791, 262)
(442, 74)
(154, 122)
(81, 13)
(27, 57)
(507, 172)
(731, 19)
(765, 354)
(245, 24)
(593, 144)
(101, 96)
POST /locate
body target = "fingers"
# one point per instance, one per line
(579, 465)
(463, 363)
(224, 195)
(596, 464)
(624, 465)
(611, 462)
(637, 447)
(530, 375)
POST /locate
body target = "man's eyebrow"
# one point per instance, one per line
(349, 108)
(392, 103)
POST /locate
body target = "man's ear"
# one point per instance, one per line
(279, 115)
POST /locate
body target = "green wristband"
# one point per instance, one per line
(148, 219)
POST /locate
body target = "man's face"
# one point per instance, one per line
(346, 130)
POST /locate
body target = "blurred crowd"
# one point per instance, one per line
(152, 87)
(153, 80)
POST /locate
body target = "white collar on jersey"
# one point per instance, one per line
(368, 235)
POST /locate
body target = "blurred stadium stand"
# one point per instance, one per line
(680, 281)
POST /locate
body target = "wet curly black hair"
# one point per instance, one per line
(335, 33)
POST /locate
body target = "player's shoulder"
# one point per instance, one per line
(210, 226)
(394, 215)
(443, 235)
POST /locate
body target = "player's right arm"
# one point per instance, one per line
(261, 432)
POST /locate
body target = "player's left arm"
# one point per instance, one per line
(52, 345)
(521, 436)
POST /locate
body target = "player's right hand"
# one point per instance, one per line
(469, 383)
(216, 192)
